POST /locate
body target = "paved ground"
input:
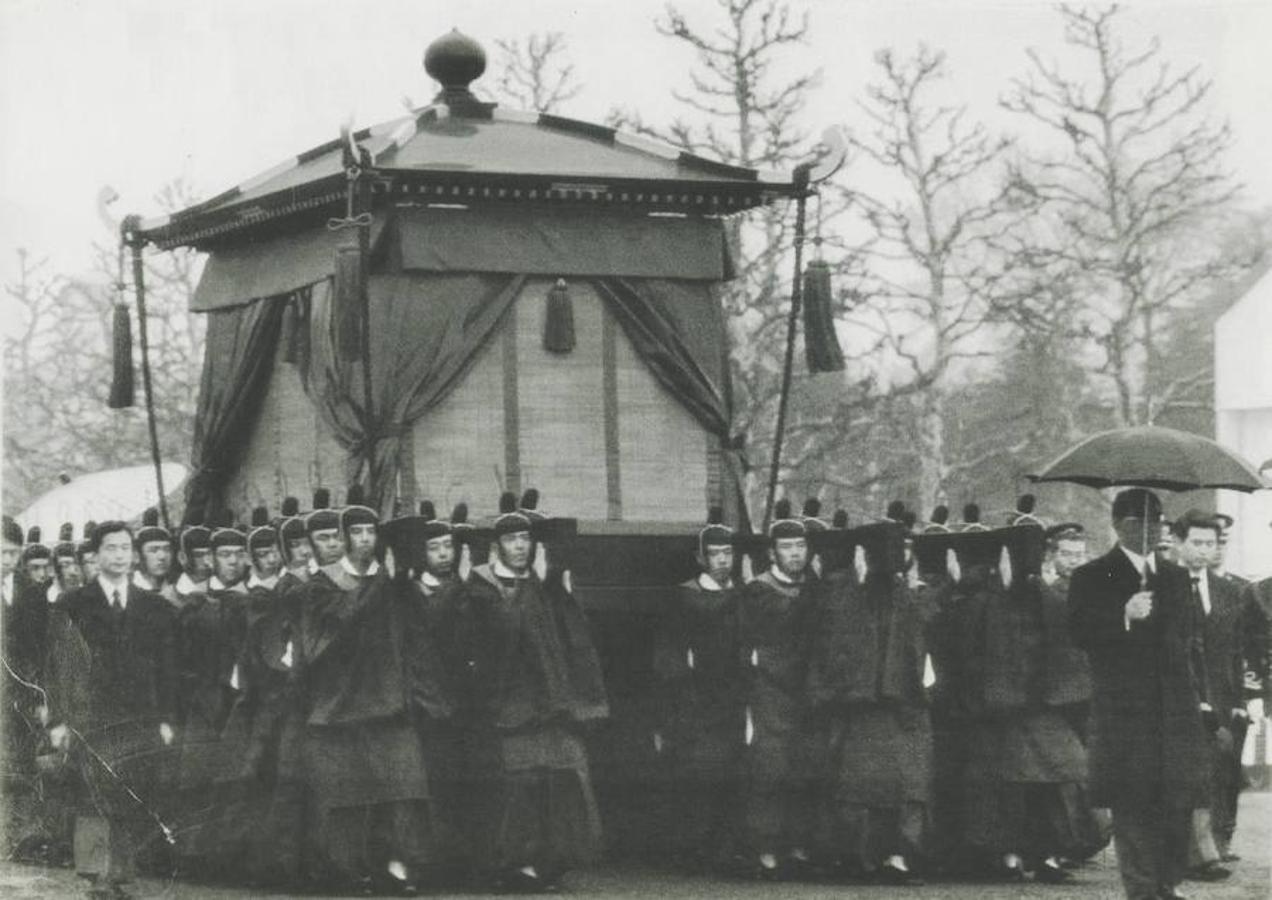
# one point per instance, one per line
(1251, 881)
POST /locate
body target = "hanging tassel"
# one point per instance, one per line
(290, 339)
(349, 296)
(821, 343)
(121, 385)
(558, 327)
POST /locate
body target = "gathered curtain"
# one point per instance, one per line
(425, 333)
(680, 339)
(238, 359)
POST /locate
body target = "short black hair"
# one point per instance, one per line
(1132, 503)
(104, 529)
(1194, 518)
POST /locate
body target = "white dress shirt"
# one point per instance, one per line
(110, 588)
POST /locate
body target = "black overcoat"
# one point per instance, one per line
(1222, 639)
(1148, 741)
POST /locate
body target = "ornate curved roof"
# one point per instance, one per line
(460, 150)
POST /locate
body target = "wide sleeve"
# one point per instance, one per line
(166, 662)
(68, 670)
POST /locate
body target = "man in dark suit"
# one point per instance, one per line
(1219, 601)
(1132, 613)
(112, 687)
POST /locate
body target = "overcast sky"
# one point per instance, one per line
(132, 93)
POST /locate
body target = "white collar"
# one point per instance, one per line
(55, 591)
(254, 580)
(707, 583)
(428, 579)
(781, 577)
(8, 589)
(216, 584)
(502, 571)
(313, 565)
(141, 581)
(348, 567)
(186, 585)
(1139, 561)
(109, 588)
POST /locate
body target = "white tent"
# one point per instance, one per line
(114, 494)
(1243, 419)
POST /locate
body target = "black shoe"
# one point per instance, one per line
(761, 872)
(794, 868)
(1210, 871)
(515, 881)
(1052, 874)
(888, 874)
(1009, 874)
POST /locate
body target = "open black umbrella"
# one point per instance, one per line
(1153, 457)
(1150, 456)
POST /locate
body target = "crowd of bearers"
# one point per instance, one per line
(326, 700)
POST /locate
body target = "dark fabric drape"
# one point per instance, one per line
(238, 358)
(672, 346)
(425, 332)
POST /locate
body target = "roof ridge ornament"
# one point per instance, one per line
(454, 61)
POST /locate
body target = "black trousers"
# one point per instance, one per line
(1227, 782)
(1152, 843)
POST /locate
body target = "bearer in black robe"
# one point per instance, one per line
(67, 574)
(268, 794)
(195, 555)
(211, 627)
(777, 615)
(1066, 671)
(425, 553)
(294, 546)
(362, 761)
(154, 558)
(537, 684)
(112, 689)
(867, 673)
(23, 616)
(1027, 766)
(86, 555)
(700, 731)
(933, 552)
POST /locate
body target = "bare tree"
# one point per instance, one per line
(739, 110)
(928, 220)
(57, 367)
(536, 74)
(1135, 173)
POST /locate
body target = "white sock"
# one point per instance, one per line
(768, 860)
(529, 870)
(397, 870)
(897, 861)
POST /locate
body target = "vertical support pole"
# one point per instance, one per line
(797, 292)
(136, 244)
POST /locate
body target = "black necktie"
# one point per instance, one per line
(1196, 593)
